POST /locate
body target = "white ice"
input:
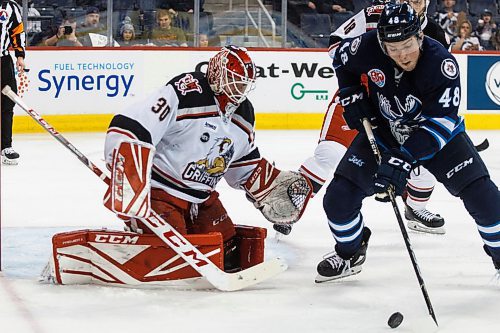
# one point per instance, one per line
(52, 191)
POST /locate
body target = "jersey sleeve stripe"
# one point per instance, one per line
(133, 126)
(244, 125)
(251, 158)
(438, 137)
(444, 123)
(122, 132)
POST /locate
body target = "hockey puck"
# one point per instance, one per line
(284, 229)
(395, 320)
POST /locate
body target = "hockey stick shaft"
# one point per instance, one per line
(409, 248)
(215, 276)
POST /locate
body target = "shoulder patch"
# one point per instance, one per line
(355, 45)
(188, 83)
(449, 69)
(377, 77)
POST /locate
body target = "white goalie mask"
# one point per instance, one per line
(231, 75)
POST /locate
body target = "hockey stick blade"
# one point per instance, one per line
(215, 276)
(482, 146)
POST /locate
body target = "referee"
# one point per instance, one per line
(11, 35)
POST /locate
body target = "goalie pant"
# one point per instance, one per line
(457, 166)
(335, 138)
(191, 218)
(125, 258)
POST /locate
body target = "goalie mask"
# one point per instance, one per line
(231, 75)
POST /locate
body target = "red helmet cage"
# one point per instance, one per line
(231, 72)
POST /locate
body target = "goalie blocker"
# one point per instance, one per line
(130, 259)
(281, 196)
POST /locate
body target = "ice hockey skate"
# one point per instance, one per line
(10, 156)
(424, 221)
(335, 267)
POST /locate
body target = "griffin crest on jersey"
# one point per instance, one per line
(187, 84)
(210, 169)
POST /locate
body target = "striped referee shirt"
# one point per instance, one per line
(12, 29)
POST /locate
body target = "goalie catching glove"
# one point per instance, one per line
(281, 196)
(129, 190)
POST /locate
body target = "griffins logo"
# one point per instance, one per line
(493, 83)
(188, 83)
(209, 170)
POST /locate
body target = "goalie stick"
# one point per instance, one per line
(218, 278)
(373, 144)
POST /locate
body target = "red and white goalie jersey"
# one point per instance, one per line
(170, 119)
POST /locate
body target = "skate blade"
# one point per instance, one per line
(351, 271)
(415, 226)
(6, 161)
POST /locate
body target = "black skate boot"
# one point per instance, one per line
(424, 221)
(495, 263)
(9, 156)
(335, 267)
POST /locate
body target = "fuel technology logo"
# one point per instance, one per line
(110, 78)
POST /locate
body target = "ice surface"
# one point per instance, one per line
(51, 191)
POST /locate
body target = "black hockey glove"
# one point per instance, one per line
(356, 106)
(394, 169)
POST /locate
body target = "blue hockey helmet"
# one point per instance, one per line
(398, 22)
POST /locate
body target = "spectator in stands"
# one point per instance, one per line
(340, 6)
(465, 41)
(33, 26)
(127, 36)
(295, 8)
(178, 5)
(447, 18)
(495, 41)
(485, 29)
(65, 34)
(203, 40)
(165, 34)
(91, 28)
(331, 6)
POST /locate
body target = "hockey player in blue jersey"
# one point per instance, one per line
(414, 95)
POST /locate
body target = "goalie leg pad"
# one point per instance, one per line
(131, 179)
(244, 250)
(251, 245)
(281, 196)
(122, 258)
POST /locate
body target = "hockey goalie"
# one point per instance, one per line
(166, 155)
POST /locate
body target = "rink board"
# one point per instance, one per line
(80, 90)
